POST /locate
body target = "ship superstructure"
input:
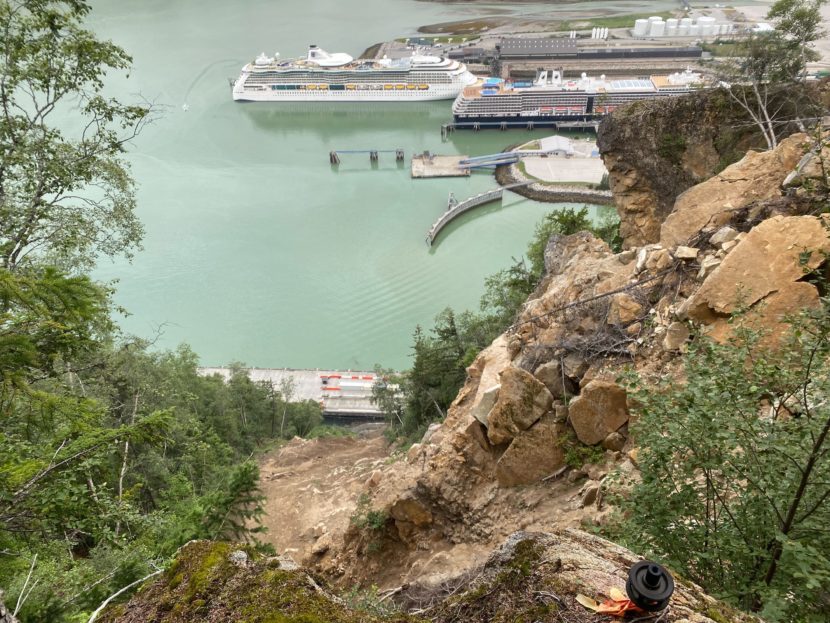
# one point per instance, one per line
(551, 98)
(338, 77)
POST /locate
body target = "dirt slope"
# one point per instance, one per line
(312, 487)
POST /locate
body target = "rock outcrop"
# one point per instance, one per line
(758, 176)
(655, 150)
(531, 577)
(767, 267)
(522, 401)
(599, 410)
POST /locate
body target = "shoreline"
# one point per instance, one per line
(510, 174)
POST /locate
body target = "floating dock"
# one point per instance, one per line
(431, 165)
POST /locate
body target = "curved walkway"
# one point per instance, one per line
(460, 208)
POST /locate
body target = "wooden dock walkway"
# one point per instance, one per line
(455, 208)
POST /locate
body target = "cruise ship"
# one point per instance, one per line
(550, 98)
(324, 77)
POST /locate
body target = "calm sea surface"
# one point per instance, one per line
(256, 250)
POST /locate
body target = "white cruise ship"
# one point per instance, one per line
(551, 98)
(324, 77)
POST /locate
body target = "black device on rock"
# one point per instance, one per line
(649, 586)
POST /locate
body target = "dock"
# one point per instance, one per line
(334, 156)
(457, 208)
(587, 124)
(344, 395)
(428, 165)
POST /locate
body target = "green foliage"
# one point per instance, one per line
(735, 467)
(63, 198)
(672, 147)
(365, 517)
(578, 454)
(768, 68)
(369, 600)
(566, 222)
(236, 506)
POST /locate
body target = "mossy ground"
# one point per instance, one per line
(526, 589)
(205, 585)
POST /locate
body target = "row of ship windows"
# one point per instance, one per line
(256, 79)
(349, 87)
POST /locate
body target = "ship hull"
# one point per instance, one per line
(432, 94)
(539, 121)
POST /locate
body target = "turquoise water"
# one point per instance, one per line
(256, 249)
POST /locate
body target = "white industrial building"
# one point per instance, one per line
(704, 26)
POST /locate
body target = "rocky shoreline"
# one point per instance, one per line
(510, 174)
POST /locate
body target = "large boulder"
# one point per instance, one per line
(522, 401)
(765, 267)
(598, 411)
(553, 375)
(757, 177)
(532, 455)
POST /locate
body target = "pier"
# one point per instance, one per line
(428, 165)
(457, 208)
(446, 128)
(343, 395)
(374, 154)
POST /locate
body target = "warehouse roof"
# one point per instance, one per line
(537, 47)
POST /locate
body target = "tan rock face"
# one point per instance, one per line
(486, 400)
(532, 455)
(522, 401)
(410, 510)
(766, 263)
(624, 309)
(757, 176)
(676, 336)
(555, 379)
(598, 411)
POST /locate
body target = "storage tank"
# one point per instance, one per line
(683, 30)
(686, 21)
(694, 30)
(658, 29)
(655, 18)
(641, 28)
(707, 25)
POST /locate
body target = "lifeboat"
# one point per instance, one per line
(400, 87)
(351, 87)
(411, 87)
(423, 87)
(388, 87)
(310, 87)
